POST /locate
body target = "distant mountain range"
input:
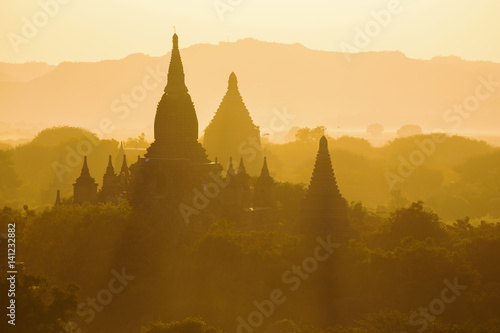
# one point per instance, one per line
(314, 87)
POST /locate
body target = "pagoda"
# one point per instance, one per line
(176, 162)
(85, 187)
(324, 210)
(232, 132)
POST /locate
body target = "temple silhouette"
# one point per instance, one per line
(231, 132)
(176, 165)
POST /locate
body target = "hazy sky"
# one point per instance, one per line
(92, 30)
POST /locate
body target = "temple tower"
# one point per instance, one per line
(110, 187)
(264, 189)
(58, 198)
(231, 131)
(243, 189)
(264, 212)
(124, 176)
(324, 210)
(85, 187)
(176, 162)
(176, 123)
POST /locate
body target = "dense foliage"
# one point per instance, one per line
(377, 281)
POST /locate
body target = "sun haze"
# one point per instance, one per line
(95, 30)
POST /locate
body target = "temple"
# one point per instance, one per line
(324, 210)
(85, 187)
(264, 189)
(176, 167)
(176, 123)
(231, 132)
(110, 187)
(175, 162)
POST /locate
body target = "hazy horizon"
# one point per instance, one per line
(35, 95)
(215, 43)
(82, 31)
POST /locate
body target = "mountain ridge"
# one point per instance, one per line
(316, 87)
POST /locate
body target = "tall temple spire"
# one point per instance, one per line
(124, 168)
(264, 188)
(176, 123)
(176, 162)
(241, 168)
(110, 184)
(324, 210)
(323, 181)
(85, 168)
(231, 126)
(175, 83)
(265, 171)
(85, 187)
(123, 178)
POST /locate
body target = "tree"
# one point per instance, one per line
(308, 135)
(413, 222)
(54, 136)
(291, 134)
(9, 181)
(374, 129)
(139, 142)
(409, 130)
(40, 307)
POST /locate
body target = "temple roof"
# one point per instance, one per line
(323, 182)
(85, 177)
(241, 168)
(265, 171)
(110, 170)
(124, 168)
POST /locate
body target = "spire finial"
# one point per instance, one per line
(175, 32)
(175, 77)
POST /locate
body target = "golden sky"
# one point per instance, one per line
(93, 30)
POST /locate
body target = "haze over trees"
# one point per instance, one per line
(460, 178)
